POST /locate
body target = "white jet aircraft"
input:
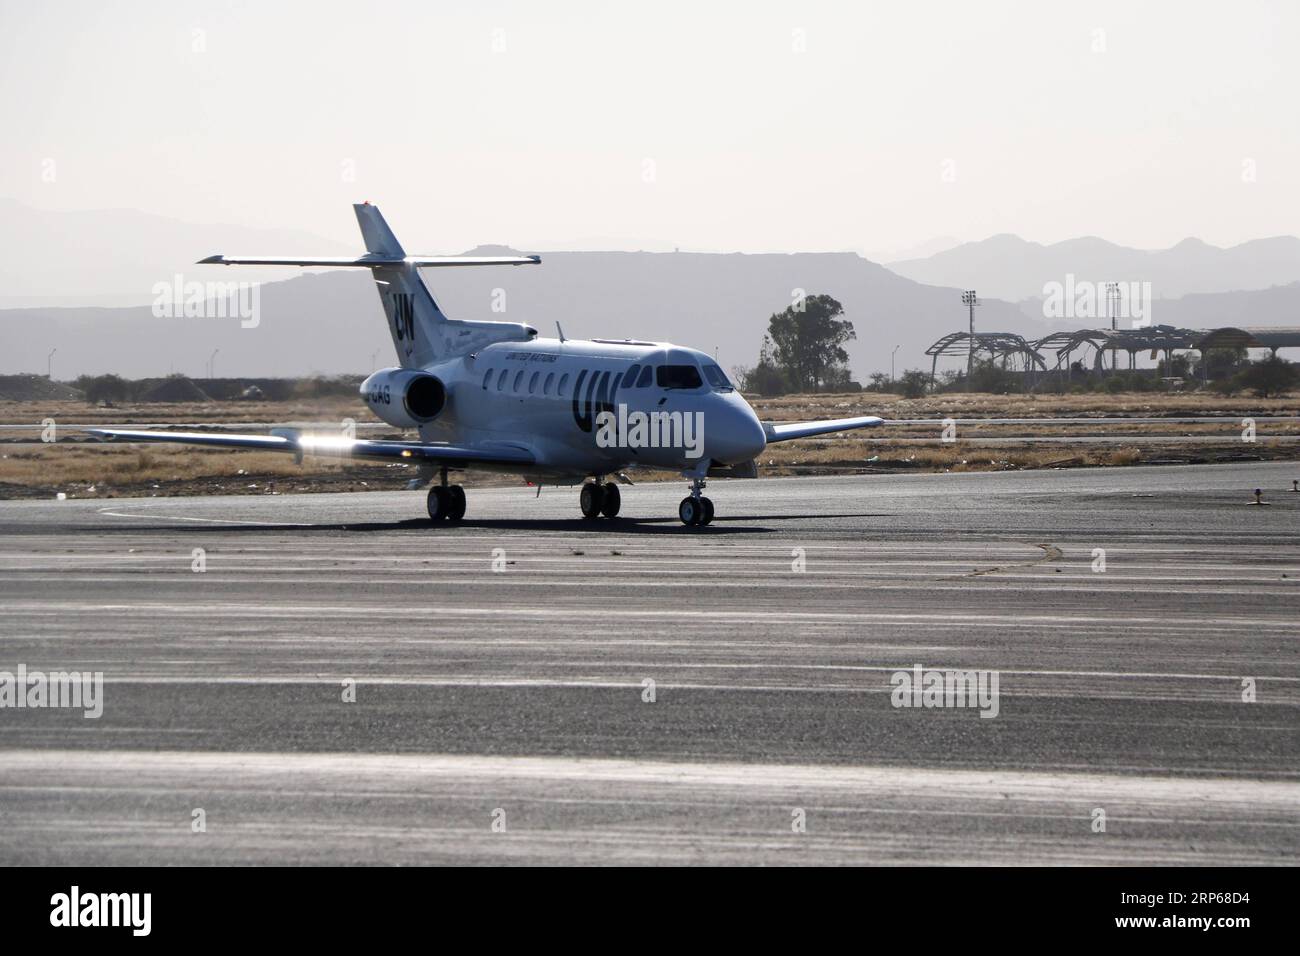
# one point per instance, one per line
(494, 396)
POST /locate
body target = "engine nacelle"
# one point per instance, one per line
(404, 397)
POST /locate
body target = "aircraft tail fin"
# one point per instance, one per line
(379, 239)
(422, 334)
(414, 318)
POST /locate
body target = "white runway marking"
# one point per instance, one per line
(278, 524)
(962, 785)
(943, 619)
(119, 678)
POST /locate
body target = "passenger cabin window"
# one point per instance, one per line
(550, 380)
(487, 378)
(532, 383)
(629, 377)
(564, 384)
(519, 379)
(678, 376)
(501, 379)
(717, 378)
(647, 374)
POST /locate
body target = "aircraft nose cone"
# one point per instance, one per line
(738, 437)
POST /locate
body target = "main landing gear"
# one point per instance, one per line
(600, 499)
(446, 502)
(695, 509)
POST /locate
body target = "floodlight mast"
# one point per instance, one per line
(1112, 306)
(970, 300)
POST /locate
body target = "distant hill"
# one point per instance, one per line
(1010, 268)
(1279, 305)
(114, 256)
(34, 388)
(331, 322)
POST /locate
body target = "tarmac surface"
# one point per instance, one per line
(532, 688)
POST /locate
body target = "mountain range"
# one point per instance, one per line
(331, 322)
(1008, 267)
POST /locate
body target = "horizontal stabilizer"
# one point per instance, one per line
(371, 262)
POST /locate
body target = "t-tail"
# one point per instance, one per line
(422, 334)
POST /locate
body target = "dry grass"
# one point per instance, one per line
(323, 411)
(30, 469)
(867, 457)
(96, 470)
(979, 405)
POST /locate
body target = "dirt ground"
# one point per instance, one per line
(79, 466)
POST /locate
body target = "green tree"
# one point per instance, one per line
(104, 388)
(989, 376)
(764, 378)
(1269, 377)
(807, 343)
(878, 382)
(913, 383)
(1220, 363)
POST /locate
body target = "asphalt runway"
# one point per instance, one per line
(502, 716)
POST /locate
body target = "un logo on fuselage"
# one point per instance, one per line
(404, 316)
(599, 398)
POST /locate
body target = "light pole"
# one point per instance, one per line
(891, 364)
(212, 364)
(970, 300)
(49, 364)
(1112, 304)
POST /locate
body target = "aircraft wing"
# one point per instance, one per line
(335, 446)
(785, 431)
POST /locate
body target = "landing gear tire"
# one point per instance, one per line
(439, 503)
(455, 502)
(591, 500)
(690, 511)
(708, 510)
(611, 500)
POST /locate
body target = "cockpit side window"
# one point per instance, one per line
(629, 377)
(647, 376)
(717, 378)
(678, 376)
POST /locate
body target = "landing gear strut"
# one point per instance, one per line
(446, 502)
(599, 498)
(696, 509)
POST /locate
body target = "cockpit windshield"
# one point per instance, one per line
(678, 376)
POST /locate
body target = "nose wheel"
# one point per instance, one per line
(446, 503)
(598, 499)
(695, 509)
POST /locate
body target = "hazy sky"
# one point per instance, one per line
(715, 126)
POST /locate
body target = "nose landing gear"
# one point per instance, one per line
(695, 509)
